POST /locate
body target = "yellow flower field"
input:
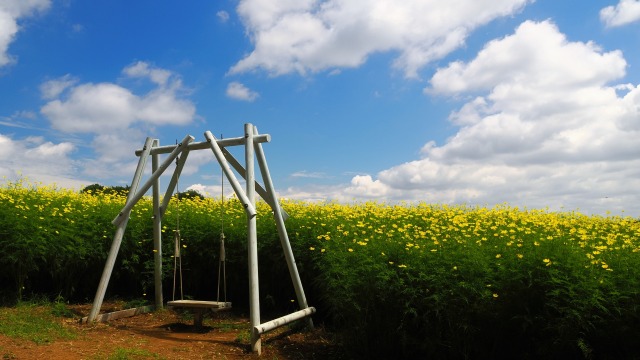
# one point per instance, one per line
(417, 279)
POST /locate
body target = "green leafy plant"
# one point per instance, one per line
(132, 353)
(32, 322)
(395, 280)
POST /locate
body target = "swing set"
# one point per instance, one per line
(199, 307)
(252, 142)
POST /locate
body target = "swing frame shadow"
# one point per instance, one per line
(252, 142)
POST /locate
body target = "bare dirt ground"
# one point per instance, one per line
(166, 334)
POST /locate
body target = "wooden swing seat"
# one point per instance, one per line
(199, 308)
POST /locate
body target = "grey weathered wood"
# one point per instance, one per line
(284, 320)
(249, 207)
(282, 230)
(199, 304)
(270, 199)
(199, 308)
(157, 233)
(117, 238)
(120, 314)
(147, 185)
(173, 183)
(205, 144)
(252, 240)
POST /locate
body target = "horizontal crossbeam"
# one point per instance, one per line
(284, 320)
(205, 144)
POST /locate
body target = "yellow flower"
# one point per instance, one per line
(498, 256)
(350, 250)
(495, 295)
(312, 248)
(547, 262)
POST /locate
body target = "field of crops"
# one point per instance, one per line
(410, 280)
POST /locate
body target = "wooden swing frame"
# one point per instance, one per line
(252, 142)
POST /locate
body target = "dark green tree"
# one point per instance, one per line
(190, 194)
(96, 189)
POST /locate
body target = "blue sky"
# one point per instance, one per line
(532, 103)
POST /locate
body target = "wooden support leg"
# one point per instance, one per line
(197, 318)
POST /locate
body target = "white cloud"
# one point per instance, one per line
(625, 12)
(118, 118)
(310, 36)
(223, 16)
(38, 160)
(94, 108)
(307, 174)
(53, 88)
(210, 190)
(77, 28)
(542, 127)
(238, 91)
(10, 12)
(142, 69)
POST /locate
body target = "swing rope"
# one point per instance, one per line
(177, 259)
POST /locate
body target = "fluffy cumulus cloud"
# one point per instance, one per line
(94, 108)
(543, 126)
(625, 12)
(239, 91)
(314, 35)
(116, 117)
(38, 160)
(11, 11)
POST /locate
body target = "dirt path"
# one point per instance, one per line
(168, 335)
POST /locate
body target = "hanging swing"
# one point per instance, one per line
(199, 307)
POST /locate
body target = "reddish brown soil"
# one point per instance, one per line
(168, 335)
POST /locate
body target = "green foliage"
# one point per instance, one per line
(454, 282)
(190, 194)
(97, 190)
(131, 354)
(59, 308)
(396, 281)
(32, 322)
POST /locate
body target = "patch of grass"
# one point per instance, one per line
(136, 303)
(7, 355)
(244, 337)
(59, 308)
(130, 354)
(32, 322)
(230, 325)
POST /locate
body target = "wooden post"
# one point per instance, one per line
(173, 183)
(147, 185)
(259, 189)
(249, 206)
(117, 238)
(252, 242)
(157, 234)
(282, 231)
(284, 320)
